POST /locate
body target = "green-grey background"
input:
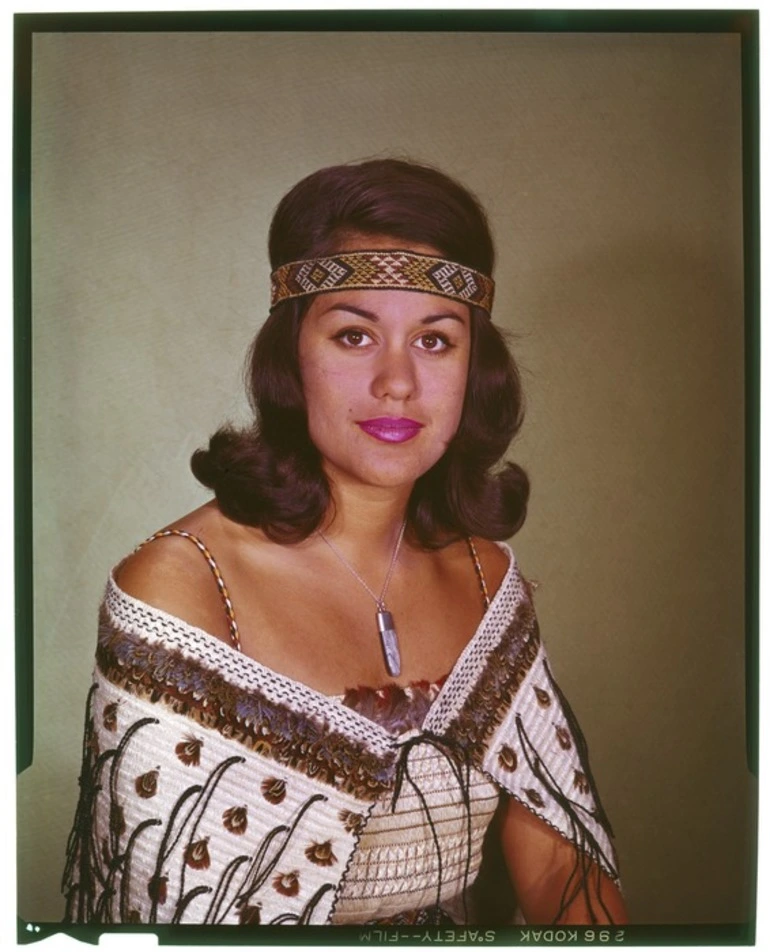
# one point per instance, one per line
(611, 167)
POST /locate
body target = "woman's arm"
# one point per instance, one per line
(552, 881)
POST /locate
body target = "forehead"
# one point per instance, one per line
(389, 304)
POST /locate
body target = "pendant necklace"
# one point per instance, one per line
(385, 623)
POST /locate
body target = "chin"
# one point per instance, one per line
(388, 466)
(382, 472)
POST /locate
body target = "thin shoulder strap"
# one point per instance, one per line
(479, 573)
(235, 637)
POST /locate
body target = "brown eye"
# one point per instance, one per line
(352, 337)
(433, 342)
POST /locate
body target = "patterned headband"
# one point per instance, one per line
(382, 270)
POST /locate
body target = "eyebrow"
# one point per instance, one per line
(371, 316)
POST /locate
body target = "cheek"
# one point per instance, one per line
(457, 406)
(327, 384)
(327, 395)
(448, 393)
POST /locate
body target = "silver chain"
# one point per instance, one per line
(381, 600)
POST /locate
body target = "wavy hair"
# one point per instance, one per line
(270, 474)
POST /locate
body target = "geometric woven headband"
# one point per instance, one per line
(404, 270)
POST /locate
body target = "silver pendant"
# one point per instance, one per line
(389, 639)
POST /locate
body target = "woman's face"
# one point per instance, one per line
(384, 374)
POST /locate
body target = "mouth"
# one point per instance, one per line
(391, 429)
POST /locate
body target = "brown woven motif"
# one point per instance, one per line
(164, 675)
(491, 697)
(382, 270)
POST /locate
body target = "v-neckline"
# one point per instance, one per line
(227, 654)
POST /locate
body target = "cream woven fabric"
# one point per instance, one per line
(214, 790)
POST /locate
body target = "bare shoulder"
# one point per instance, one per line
(172, 573)
(494, 562)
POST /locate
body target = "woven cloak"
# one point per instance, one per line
(214, 790)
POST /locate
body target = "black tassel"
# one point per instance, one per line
(587, 848)
(460, 766)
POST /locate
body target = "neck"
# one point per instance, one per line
(366, 521)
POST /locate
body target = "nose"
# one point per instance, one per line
(394, 375)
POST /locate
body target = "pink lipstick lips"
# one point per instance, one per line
(391, 429)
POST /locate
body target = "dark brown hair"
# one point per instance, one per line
(270, 474)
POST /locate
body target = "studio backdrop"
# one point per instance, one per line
(611, 167)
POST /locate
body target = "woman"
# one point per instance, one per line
(319, 694)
